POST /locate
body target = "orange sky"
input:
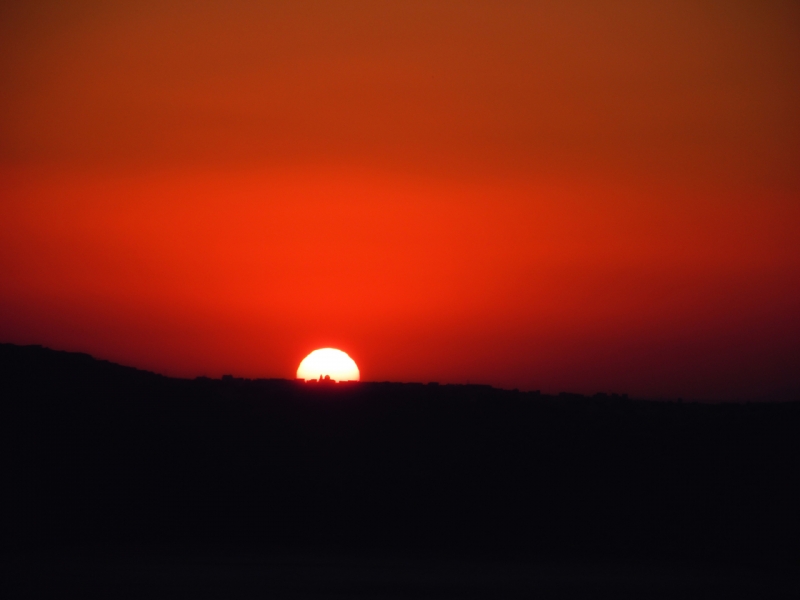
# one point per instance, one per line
(574, 196)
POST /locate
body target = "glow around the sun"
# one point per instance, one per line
(331, 362)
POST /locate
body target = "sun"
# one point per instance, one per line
(328, 362)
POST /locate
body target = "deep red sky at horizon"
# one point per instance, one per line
(572, 196)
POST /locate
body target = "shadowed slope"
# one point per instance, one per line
(101, 454)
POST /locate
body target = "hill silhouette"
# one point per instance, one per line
(104, 456)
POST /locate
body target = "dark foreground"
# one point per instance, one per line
(318, 577)
(124, 483)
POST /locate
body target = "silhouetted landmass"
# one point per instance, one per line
(98, 455)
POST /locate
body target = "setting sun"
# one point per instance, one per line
(328, 362)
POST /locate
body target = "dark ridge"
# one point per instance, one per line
(97, 455)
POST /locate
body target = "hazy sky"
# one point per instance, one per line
(587, 196)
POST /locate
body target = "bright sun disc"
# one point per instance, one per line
(328, 361)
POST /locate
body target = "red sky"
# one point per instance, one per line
(573, 196)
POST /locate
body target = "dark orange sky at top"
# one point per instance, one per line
(575, 196)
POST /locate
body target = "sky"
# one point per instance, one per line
(562, 196)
